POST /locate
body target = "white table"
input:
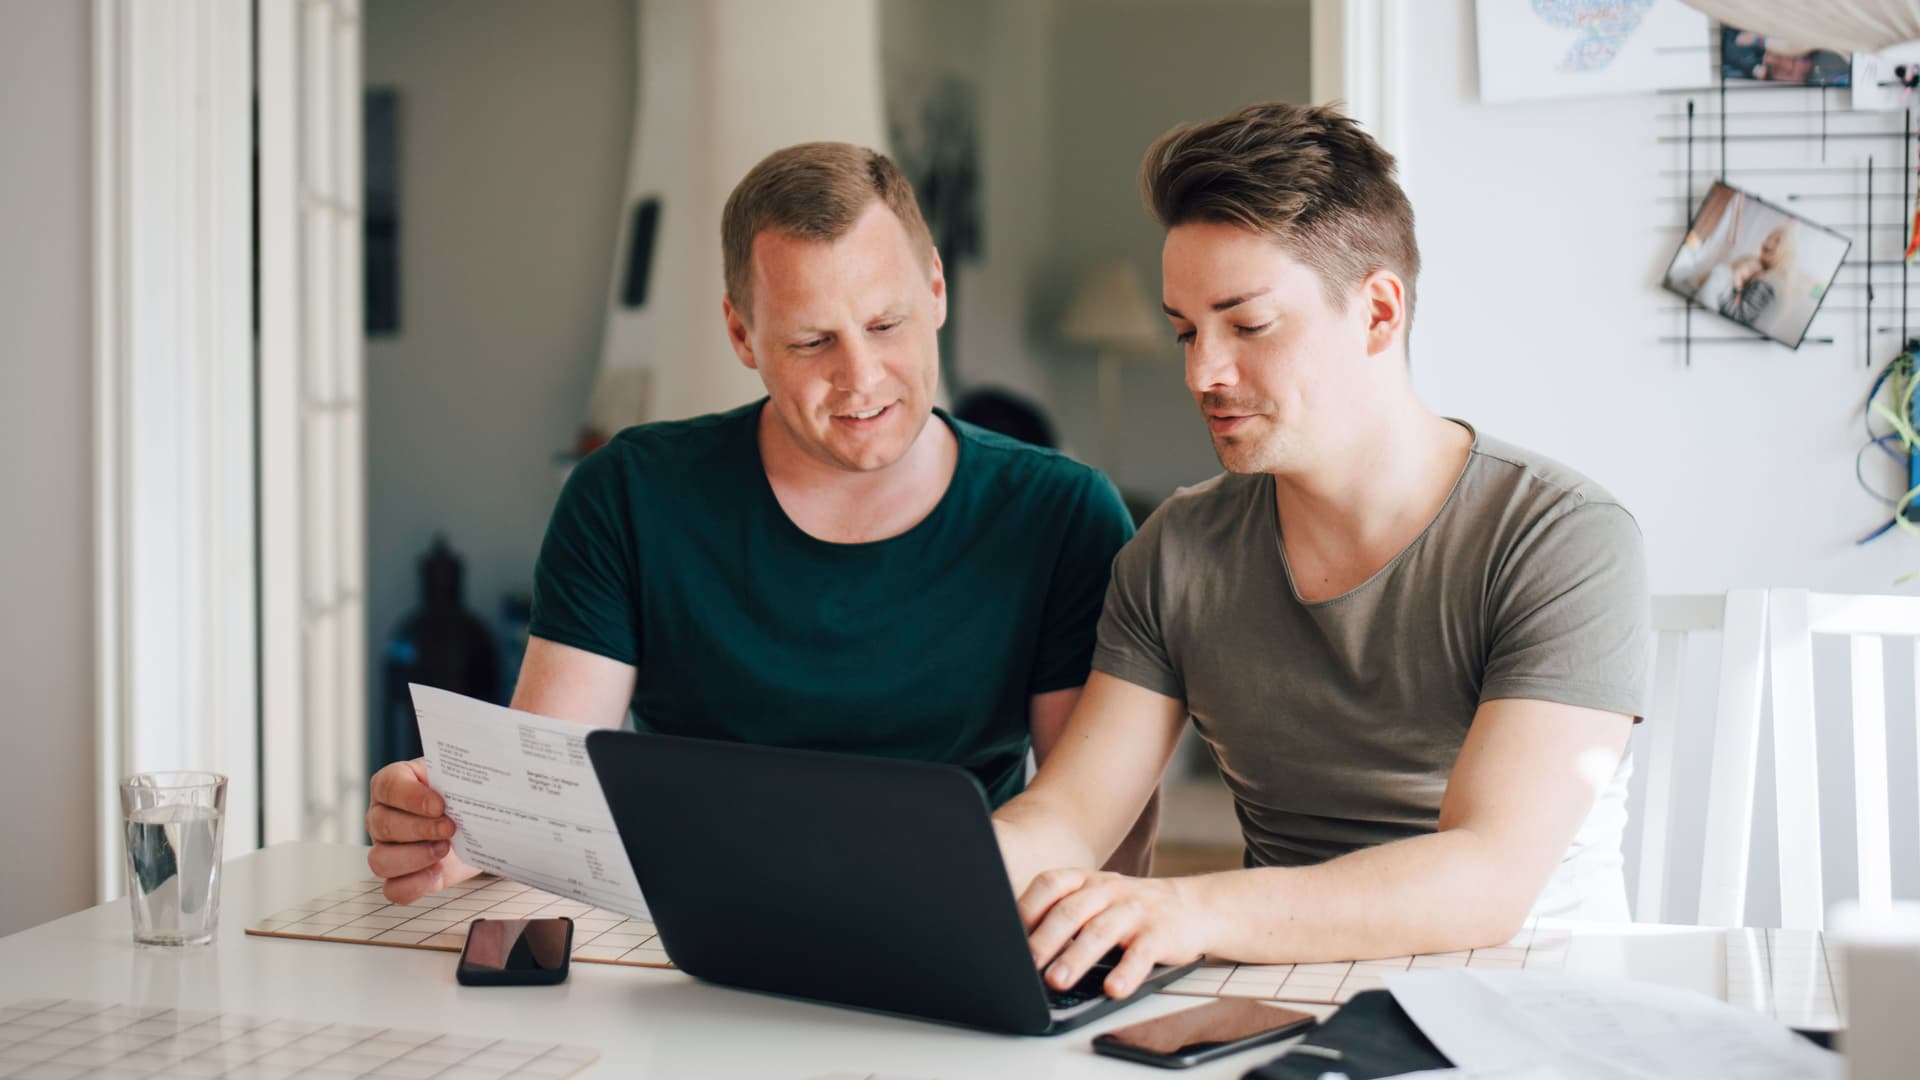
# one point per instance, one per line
(644, 1022)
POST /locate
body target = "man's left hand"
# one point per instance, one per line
(1074, 917)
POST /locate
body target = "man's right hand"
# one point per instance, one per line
(412, 834)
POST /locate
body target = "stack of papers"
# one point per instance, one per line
(1516, 1025)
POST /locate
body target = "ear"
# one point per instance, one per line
(1383, 296)
(737, 333)
(939, 285)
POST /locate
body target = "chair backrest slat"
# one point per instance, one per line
(1767, 644)
(1873, 821)
(1795, 771)
(1843, 613)
(1734, 765)
(1670, 655)
(1797, 616)
(1740, 615)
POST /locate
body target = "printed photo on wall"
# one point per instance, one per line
(1756, 264)
(1755, 57)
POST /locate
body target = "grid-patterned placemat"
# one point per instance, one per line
(1335, 983)
(68, 1040)
(1785, 974)
(359, 915)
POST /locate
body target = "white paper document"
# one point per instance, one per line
(1597, 1028)
(524, 799)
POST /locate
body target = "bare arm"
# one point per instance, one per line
(1050, 713)
(572, 684)
(412, 836)
(1097, 777)
(1526, 777)
(1525, 780)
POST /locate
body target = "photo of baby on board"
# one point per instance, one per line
(1756, 264)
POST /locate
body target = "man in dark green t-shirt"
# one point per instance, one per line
(838, 566)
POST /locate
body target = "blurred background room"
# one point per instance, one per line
(310, 305)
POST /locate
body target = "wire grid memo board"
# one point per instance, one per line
(1804, 149)
(358, 914)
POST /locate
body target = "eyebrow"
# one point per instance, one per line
(892, 314)
(1220, 305)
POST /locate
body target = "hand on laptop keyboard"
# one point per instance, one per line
(1088, 988)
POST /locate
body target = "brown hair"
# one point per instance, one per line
(1304, 175)
(814, 191)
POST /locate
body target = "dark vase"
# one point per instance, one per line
(440, 644)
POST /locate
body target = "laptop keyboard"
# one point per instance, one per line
(1088, 988)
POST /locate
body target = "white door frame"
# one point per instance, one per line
(281, 679)
(1358, 56)
(175, 564)
(312, 474)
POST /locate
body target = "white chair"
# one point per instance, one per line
(1740, 615)
(1796, 616)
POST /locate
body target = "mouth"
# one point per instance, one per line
(863, 418)
(1221, 423)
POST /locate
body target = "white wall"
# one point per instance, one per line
(514, 122)
(1543, 238)
(46, 548)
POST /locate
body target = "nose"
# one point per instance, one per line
(1210, 364)
(861, 367)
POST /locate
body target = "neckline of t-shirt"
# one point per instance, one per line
(1272, 514)
(758, 467)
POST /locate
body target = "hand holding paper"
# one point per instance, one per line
(525, 799)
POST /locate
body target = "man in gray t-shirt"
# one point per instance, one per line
(1336, 722)
(1415, 651)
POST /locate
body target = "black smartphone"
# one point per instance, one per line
(1203, 1033)
(516, 952)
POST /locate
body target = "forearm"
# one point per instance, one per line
(1098, 769)
(566, 683)
(1134, 856)
(1443, 892)
(1034, 837)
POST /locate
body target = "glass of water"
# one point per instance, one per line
(174, 823)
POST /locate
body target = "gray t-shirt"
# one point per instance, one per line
(1336, 723)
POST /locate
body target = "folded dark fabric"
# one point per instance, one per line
(1371, 1036)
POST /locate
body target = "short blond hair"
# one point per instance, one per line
(813, 191)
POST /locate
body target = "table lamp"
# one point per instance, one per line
(1111, 311)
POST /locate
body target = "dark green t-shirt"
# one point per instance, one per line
(669, 551)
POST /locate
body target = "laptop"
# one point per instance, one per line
(866, 882)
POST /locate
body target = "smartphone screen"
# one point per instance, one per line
(508, 951)
(1211, 1030)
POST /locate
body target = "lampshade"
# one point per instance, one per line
(1111, 309)
(1847, 25)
